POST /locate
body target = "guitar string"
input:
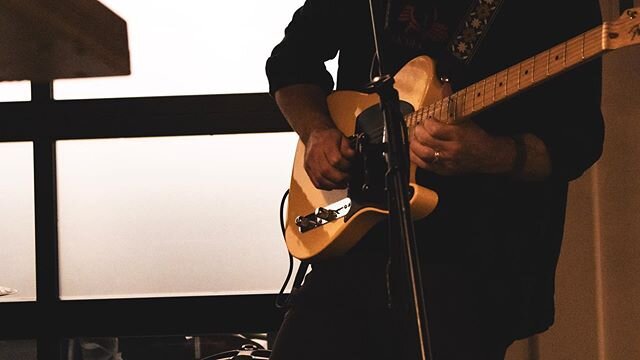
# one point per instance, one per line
(502, 77)
(589, 44)
(586, 43)
(510, 88)
(577, 44)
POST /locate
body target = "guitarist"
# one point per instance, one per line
(489, 250)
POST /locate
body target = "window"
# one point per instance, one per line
(191, 47)
(172, 216)
(17, 229)
(15, 91)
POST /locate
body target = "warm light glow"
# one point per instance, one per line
(172, 216)
(15, 91)
(17, 229)
(191, 47)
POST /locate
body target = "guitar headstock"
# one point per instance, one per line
(624, 31)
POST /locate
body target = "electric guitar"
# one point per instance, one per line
(323, 224)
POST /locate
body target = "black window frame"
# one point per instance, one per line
(43, 121)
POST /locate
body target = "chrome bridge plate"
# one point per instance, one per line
(324, 215)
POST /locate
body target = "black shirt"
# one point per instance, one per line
(499, 231)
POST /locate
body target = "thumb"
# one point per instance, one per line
(345, 148)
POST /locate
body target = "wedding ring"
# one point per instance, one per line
(436, 157)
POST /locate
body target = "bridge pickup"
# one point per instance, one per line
(324, 215)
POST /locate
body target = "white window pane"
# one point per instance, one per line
(191, 47)
(17, 229)
(15, 91)
(172, 216)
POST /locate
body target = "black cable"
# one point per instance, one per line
(281, 300)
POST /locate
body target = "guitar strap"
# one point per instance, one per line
(473, 29)
(467, 39)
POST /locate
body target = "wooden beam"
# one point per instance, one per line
(42, 40)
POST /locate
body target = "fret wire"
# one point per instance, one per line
(464, 102)
(484, 90)
(506, 84)
(455, 108)
(463, 95)
(466, 99)
(548, 59)
(587, 44)
(445, 106)
(495, 82)
(473, 99)
(475, 96)
(533, 70)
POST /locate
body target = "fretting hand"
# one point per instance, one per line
(447, 149)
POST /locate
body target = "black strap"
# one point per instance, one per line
(300, 274)
(454, 61)
(284, 301)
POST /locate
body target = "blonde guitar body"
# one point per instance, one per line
(417, 85)
(322, 224)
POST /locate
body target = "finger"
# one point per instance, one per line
(424, 137)
(325, 184)
(418, 160)
(335, 159)
(345, 148)
(322, 181)
(320, 172)
(425, 153)
(440, 131)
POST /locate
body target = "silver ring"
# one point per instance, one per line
(436, 157)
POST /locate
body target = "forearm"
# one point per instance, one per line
(304, 106)
(466, 148)
(537, 164)
(525, 159)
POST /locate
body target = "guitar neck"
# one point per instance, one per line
(515, 79)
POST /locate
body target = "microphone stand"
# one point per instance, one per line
(403, 247)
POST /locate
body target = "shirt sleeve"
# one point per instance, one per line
(310, 39)
(574, 134)
(564, 111)
(571, 123)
